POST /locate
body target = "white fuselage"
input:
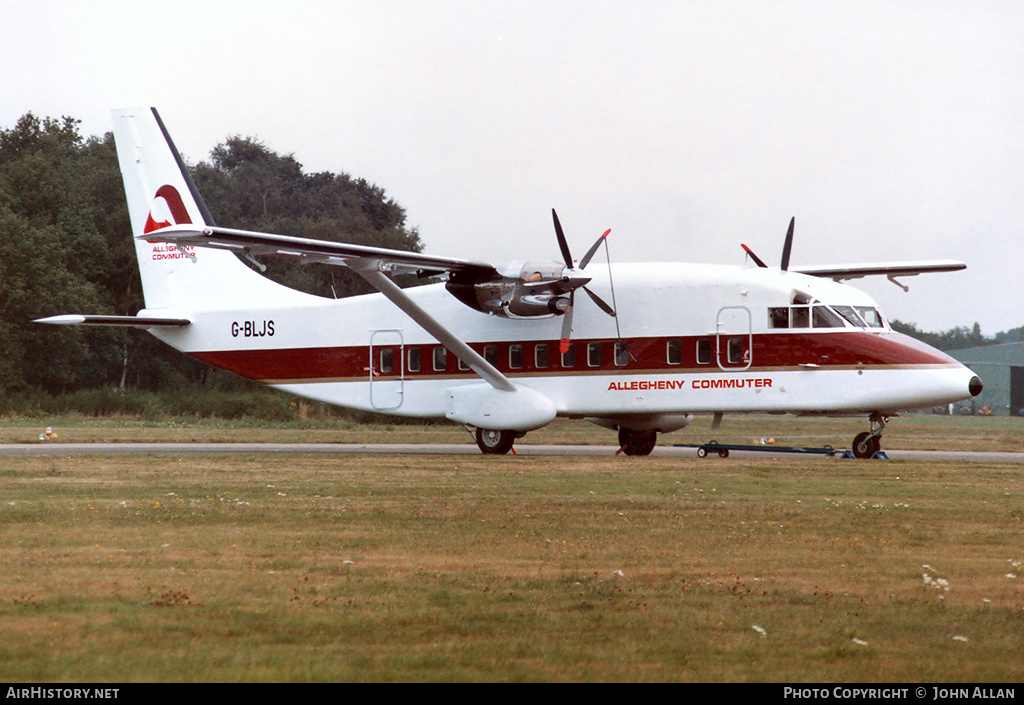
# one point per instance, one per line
(692, 339)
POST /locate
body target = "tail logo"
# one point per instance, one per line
(167, 209)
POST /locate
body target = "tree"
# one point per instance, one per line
(66, 246)
(953, 339)
(52, 256)
(248, 186)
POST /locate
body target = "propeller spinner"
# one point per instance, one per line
(531, 289)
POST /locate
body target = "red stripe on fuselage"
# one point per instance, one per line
(770, 351)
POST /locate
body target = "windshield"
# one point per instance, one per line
(808, 312)
(871, 316)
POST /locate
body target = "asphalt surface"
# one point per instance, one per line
(688, 451)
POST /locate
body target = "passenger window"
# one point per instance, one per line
(704, 351)
(594, 354)
(734, 351)
(515, 356)
(541, 356)
(462, 364)
(674, 352)
(569, 356)
(413, 359)
(491, 354)
(387, 361)
(440, 358)
(621, 353)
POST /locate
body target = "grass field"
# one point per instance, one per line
(917, 431)
(394, 568)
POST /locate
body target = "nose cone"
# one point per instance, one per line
(975, 386)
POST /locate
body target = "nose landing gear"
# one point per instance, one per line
(866, 444)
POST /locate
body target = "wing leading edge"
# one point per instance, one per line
(890, 270)
(368, 262)
(317, 251)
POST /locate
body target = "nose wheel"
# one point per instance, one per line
(866, 444)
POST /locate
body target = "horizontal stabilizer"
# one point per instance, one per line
(887, 269)
(75, 319)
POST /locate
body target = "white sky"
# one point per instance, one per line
(892, 130)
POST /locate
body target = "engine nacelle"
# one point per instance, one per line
(521, 290)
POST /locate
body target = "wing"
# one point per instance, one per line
(319, 251)
(367, 262)
(888, 269)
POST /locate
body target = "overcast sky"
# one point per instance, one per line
(891, 130)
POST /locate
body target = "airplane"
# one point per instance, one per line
(504, 350)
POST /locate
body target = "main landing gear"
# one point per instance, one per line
(866, 444)
(637, 442)
(631, 442)
(496, 442)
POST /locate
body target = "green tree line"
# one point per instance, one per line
(66, 247)
(959, 337)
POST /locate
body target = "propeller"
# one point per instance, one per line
(575, 281)
(757, 260)
(787, 249)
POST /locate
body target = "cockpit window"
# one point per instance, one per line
(849, 314)
(808, 312)
(871, 316)
(801, 316)
(824, 317)
(778, 317)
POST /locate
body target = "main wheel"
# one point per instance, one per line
(494, 442)
(637, 442)
(865, 445)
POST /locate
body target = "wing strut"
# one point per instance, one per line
(369, 269)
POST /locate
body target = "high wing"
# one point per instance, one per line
(839, 273)
(368, 262)
(890, 270)
(318, 251)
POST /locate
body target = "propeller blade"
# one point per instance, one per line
(788, 247)
(601, 304)
(563, 343)
(562, 244)
(593, 249)
(757, 260)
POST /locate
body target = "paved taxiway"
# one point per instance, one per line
(78, 449)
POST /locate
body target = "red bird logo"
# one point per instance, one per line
(176, 207)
